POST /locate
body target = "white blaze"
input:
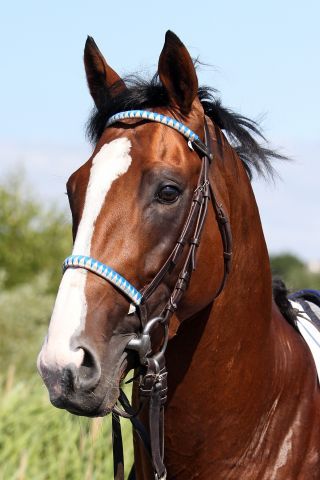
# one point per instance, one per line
(70, 310)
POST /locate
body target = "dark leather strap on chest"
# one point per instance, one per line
(153, 376)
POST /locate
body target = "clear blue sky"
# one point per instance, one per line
(264, 57)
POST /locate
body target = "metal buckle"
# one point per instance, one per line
(202, 187)
(142, 343)
(163, 476)
(190, 145)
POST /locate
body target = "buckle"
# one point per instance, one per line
(162, 477)
(142, 343)
(202, 187)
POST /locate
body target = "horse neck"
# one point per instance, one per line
(233, 366)
(231, 372)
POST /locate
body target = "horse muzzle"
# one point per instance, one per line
(88, 389)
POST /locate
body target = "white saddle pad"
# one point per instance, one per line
(309, 332)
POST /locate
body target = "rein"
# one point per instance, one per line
(153, 376)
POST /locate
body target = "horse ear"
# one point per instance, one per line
(177, 73)
(102, 80)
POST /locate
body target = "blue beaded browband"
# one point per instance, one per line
(154, 117)
(193, 138)
(93, 265)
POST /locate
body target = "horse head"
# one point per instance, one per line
(129, 203)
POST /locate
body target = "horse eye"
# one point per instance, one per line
(168, 194)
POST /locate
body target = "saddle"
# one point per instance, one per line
(306, 304)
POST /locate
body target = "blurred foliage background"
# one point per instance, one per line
(295, 272)
(37, 441)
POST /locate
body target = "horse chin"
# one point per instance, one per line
(106, 407)
(88, 404)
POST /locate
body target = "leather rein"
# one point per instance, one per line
(153, 373)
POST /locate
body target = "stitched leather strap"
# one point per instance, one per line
(118, 464)
(153, 380)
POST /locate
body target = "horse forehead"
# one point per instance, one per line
(107, 159)
(110, 163)
(155, 145)
(150, 145)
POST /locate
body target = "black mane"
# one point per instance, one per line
(244, 134)
(280, 295)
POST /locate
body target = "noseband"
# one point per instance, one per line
(153, 377)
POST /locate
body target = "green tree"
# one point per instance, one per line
(33, 238)
(294, 272)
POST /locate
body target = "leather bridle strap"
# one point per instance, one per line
(226, 237)
(153, 380)
(153, 383)
(182, 240)
(118, 463)
(199, 206)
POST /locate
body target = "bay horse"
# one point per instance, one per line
(243, 395)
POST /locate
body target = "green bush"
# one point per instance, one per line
(33, 238)
(24, 316)
(40, 442)
(294, 272)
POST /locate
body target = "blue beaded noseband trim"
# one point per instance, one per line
(104, 271)
(89, 263)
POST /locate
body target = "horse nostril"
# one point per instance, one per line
(89, 371)
(88, 360)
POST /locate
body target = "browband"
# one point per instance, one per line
(192, 137)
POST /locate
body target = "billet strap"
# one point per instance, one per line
(106, 272)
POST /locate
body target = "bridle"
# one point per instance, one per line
(153, 375)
